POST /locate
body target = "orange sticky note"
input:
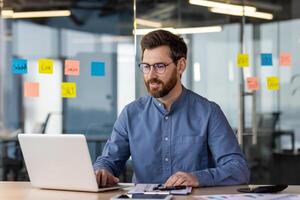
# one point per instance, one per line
(273, 83)
(31, 89)
(252, 83)
(285, 59)
(68, 90)
(72, 67)
(243, 60)
(46, 66)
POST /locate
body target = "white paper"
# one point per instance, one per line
(148, 189)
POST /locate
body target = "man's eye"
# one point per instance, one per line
(160, 65)
(146, 66)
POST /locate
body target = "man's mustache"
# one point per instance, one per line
(154, 80)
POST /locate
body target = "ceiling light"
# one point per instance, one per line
(207, 29)
(7, 13)
(214, 4)
(262, 15)
(149, 23)
(144, 31)
(36, 14)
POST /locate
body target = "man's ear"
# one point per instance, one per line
(181, 65)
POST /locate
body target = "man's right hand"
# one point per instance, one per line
(105, 178)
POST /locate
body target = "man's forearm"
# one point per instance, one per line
(232, 173)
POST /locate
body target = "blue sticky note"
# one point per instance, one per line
(266, 59)
(19, 66)
(98, 69)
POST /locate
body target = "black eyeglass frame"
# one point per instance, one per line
(155, 66)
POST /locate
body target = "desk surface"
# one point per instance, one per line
(24, 191)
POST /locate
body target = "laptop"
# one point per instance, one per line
(59, 161)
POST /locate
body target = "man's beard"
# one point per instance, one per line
(166, 87)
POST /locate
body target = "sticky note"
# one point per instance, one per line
(273, 83)
(266, 59)
(98, 69)
(252, 83)
(72, 67)
(19, 66)
(31, 89)
(243, 60)
(68, 90)
(46, 66)
(285, 59)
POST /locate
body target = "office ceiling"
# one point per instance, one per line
(170, 12)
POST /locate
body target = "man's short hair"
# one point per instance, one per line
(159, 38)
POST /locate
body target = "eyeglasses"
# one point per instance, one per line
(158, 67)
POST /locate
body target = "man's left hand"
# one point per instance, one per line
(182, 178)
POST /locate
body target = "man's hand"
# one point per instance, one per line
(182, 178)
(105, 178)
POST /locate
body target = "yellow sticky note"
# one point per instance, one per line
(243, 60)
(46, 66)
(68, 90)
(273, 83)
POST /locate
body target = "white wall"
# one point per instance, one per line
(49, 100)
(31, 41)
(126, 75)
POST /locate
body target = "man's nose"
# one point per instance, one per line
(152, 73)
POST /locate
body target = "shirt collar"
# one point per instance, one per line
(176, 104)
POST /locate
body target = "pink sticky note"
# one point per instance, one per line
(72, 67)
(31, 89)
(252, 83)
(285, 59)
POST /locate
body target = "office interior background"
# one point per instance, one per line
(266, 121)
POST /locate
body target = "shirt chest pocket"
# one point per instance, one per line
(190, 151)
(190, 143)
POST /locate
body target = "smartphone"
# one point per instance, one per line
(142, 197)
(263, 189)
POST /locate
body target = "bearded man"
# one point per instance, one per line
(173, 135)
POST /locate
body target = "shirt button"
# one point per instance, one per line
(159, 104)
(166, 159)
(166, 117)
(166, 138)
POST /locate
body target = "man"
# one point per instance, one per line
(173, 135)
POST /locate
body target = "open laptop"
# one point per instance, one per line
(59, 161)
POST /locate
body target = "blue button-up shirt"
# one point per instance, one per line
(194, 137)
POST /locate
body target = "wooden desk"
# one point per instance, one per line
(24, 191)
